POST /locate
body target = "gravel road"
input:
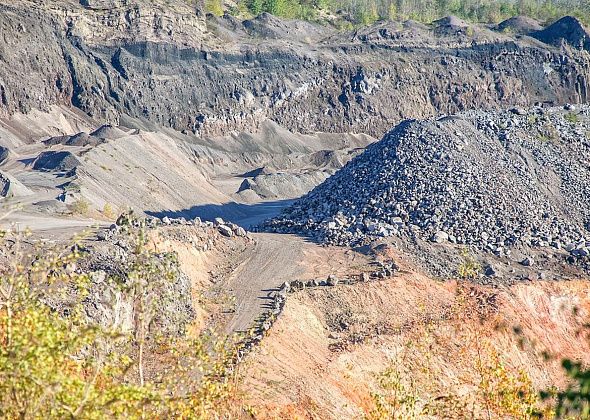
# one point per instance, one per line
(273, 260)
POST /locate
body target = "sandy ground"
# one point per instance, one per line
(323, 357)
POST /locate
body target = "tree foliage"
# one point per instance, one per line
(364, 12)
(56, 362)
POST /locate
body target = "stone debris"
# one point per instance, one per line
(488, 180)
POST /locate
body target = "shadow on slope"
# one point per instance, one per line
(245, 215)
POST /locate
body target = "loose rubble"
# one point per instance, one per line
(488, 180)
(126, 220)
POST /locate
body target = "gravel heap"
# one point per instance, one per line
(568, 29)
(490, 180)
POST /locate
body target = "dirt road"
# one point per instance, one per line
(273, 260)
(276, 258)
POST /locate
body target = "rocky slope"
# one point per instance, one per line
(167, 63)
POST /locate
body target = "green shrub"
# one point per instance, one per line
(55, 362)
(214, 6)
(81, 207)
(365, 12)
(574, 400)
(469, 268)
(571, 118)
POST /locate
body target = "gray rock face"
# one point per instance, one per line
(148, 60)
(483, 179)
(103, 4)
(109, 263)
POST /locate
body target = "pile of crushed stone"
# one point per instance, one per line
(82, 139)
(568, 30)
(521, 25)
(489, 180)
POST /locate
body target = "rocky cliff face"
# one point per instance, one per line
(166, 63)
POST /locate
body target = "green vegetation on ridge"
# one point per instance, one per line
(363, 12)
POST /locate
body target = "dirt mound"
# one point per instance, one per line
(264, 170)
(108, 132)
(521, 25)
(452, 26)
(452, 22)
(55, 161)
(489, 180)
(81, 139)
(282, 185)
(567, 29)
(330, 158)
(268, 26)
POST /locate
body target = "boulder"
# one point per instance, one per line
(332, 280)
(240, 231)
(225, 230)
(440, 237)
(4, 154)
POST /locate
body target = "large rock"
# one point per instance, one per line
(225, 230)
(4, 154)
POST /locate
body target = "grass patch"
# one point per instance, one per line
(572, 118)
(81, 207)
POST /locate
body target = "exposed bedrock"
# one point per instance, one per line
(171, 65)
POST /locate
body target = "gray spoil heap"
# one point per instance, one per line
(484, 179)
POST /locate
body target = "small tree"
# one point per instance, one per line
(214, 6)
(81, 206)
(255, 6)
(108, 212)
